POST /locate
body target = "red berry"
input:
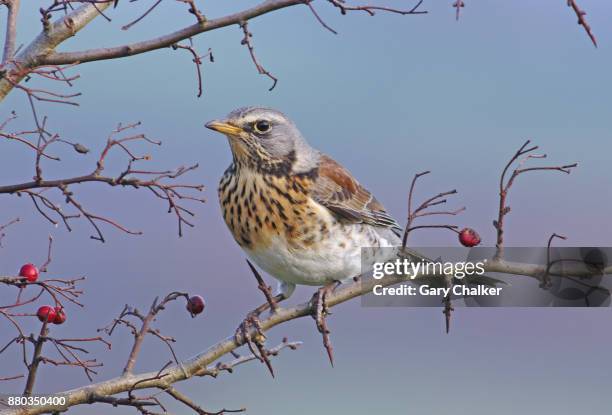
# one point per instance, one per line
(60, 315)
(46, 313)
(29, 272)
(469, 237)
(195, 305)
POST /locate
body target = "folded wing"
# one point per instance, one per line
(337, 190)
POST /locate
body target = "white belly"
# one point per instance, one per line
(337, 257)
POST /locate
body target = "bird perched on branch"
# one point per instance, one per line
(297, 213)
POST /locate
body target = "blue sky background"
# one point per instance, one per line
(388, 97)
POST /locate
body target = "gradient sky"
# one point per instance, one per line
(388, 97)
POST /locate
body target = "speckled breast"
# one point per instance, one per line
(258, 207)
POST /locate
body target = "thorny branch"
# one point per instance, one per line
(423, 209)
(140, 331)
(580, 14)
(546, 281)
(522, 155)
(203, 363)
(41, 51)
(40, 58)
(70, 351)
(161, 183)
(145, 327)
(371, 10)
(246, 41)
(207, 363)
(3, 227)
(458, 5)
(197, 60)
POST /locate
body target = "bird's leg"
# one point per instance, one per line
(251, 323)
(252, 319)
(266, 290)
(320, 311)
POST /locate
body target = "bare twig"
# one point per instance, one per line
(145, 327)
(160, 183)
(422, 210)
(318, 17)
(149, 10)
(580, 14)
(197, 408)
(458, 5)
(194, 10)
(371, 10)
(193, 30)
(201, 364)
(522, 155)
(197, 60)
(546, 281)
(246, 41)
(3, 227)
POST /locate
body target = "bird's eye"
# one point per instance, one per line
(261, 126)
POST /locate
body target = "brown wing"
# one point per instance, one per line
(337, 190)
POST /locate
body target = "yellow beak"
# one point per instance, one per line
(224, 128)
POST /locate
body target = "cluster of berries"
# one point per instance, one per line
(50, 314)
(56, 315)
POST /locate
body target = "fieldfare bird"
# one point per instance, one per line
(297, 213)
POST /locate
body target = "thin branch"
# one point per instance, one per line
(458, 5)
(371, 10)
(194, 10)
(183, 34)
(246, 41)
(3, 227)
(318, 17)
(149, 10)
(197, 408)
(161, 183)
(422, 210)
(145, 327)
(197, 60)
(524, 154)
(580, 14)
(200, 364)
(11, 30)
(36, 359)
(546, 282)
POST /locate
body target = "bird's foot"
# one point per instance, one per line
(251, 333)
(320, 312)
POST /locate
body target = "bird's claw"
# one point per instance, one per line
(255, 341)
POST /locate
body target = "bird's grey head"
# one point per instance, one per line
(266, 138)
